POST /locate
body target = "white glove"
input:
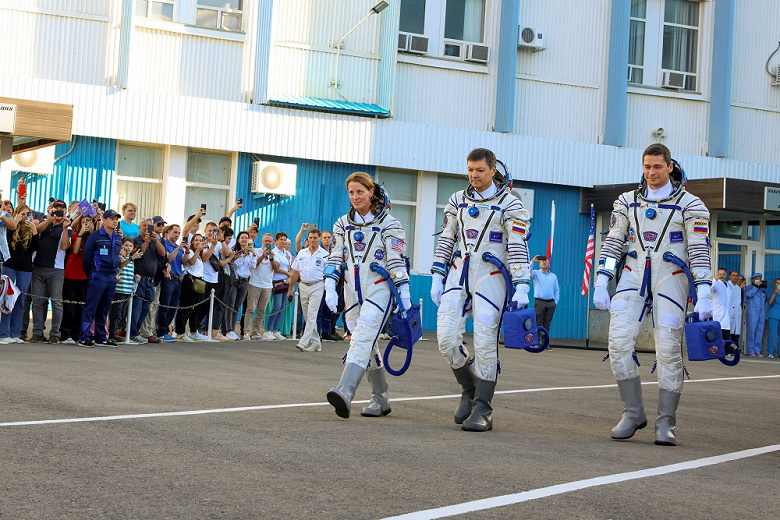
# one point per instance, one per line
(406, 297)
(601, 294)
(521, 294)
(704, 303)
(437, 288)
(331, 296)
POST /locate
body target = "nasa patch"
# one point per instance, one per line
(612, 220)
(471, 233)
(379, 254)
(675, 236)
(650, 236)
(496, 236)
(360, 246)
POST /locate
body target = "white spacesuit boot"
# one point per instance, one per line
(481, 418)
(380, 404)
(467, 380)
(341, 396)
(634, 417)
(664, 425)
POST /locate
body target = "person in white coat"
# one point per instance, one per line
(736, 307)
(484, 218)
(721, 303)
(657, 218)
(366, 234)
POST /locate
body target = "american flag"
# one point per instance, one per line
(589, 252)
(398, 245)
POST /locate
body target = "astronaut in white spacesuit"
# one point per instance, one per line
(485, 217)
(366, 234)
(658, 217)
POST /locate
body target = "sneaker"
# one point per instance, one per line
(217, 336)
(257, 337)
(326, 337)
(152, 339)
(232, 336)
(6, 341)
(129, 341)
(68, 341)
(106, 343)
(246, 337)
(139, 340)
(186, 337)
(86, 343)
(337, 336)
(54, 339)
(278, 335)
(18, 340)
(167, 338)
(384, 336)
(549, 349)
(269, 336)
(37, 338)
(770, 356)
(197, 336)
(300, 347)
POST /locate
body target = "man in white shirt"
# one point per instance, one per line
(260, 285)
(736, 306)
(721, 302)
(307, 268)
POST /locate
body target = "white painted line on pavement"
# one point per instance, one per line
(303, 405)
(533, 494)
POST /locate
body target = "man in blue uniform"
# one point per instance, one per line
(101, 263)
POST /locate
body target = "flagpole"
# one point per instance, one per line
(587, 302)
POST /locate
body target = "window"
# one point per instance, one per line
(402, 188)
(451, 24)
(208, 182)
(139, 178)
(157, 9)
(412, 16)
(671, 26)
(223, 14)
(445, 187)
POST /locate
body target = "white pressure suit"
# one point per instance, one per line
(651, 287)
(367, 297)
(499, 224)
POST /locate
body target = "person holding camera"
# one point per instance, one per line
(755, 299)
(6, 222)
(244, 260)
(74, 287)
(170, 288)
(22, 243)
(193, 292)
(49, 271)
(773, 320)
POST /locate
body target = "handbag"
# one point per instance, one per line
(280, 286)
(198, 285)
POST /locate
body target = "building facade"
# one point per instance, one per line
(182, 102)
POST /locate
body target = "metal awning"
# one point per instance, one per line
(26, 125)
(328, 105)
(721, 193)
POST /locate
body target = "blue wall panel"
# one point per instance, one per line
(85, 169)
(320, 196)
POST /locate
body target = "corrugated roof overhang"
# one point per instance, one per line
(37, 124)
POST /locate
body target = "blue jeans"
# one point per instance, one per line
(11, 324)
(170, 292)
(276, 313)
(145, 290)
(100, 292)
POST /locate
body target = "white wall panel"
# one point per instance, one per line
(685, 122)
(756, 36)
(445, 97)
(558, 111)
(309, 72)
(576, 35)
(321, 22)
(90, 7)
(54, 47)
(755, 135)
(186, 65)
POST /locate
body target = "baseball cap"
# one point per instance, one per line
(158, 220)
(110, 214)
(756, 275)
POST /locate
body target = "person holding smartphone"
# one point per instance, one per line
(260, 289)
(22, 243)
(6, 222)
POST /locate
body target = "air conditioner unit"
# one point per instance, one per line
(418, 44)
(270, 177)
(530, 38)
(39, 161)
(477, 53)
(231, 21)
(675, 80)
(403, 41)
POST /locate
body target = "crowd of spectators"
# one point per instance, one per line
(89, 264)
